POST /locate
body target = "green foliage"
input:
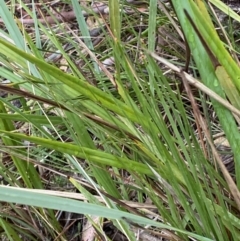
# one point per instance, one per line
(118, 137)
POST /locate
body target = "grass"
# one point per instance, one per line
(109, 126)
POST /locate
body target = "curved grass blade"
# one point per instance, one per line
(34, 198)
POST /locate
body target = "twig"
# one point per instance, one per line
(64, 16)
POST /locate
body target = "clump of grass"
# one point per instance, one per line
(109, 128)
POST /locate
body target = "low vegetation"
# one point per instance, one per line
(119, 120)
